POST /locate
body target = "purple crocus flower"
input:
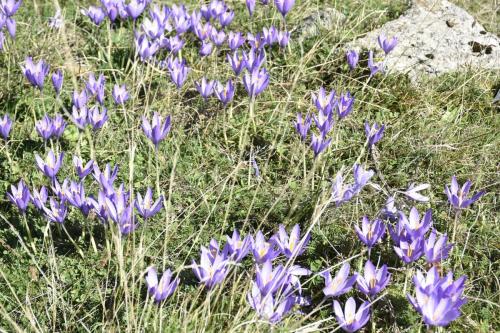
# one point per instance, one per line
(284, 6)
(319, 143)
(79, 99)
(39, 197)
(5, 126)
(270, 280)
(238, 248)
(157, 130)
(256, 81)
(250, 6)
(352, 59)
(217, 7)
(75, 195)
(60, 190)
(182, 23)
(292, 246)
(45, 127)
(217, 37)
(145, 49)
(96, 87)
(59, 125)
(262, 250)
(202, 31)
(206, 48)
(120, 94)
(324, 103)
(253, 59)
(95, 14)
(283, 38)
(153, 28)
(373, 133)
(269, 307)
(361, 177)
(374, 280)
(50, 167)
(410, 250)
(237, 62)
(387, 44)
(57, 211)
(9, 7)
(302, 126)
(99, 206)
(342, 282)
(56, 21)
(121, 212)
(57, 81)
(435, 252)
(371, 232)
(146, 207)
(97, 119)
(351, 320)
(113, 7)
(178, 71)
(205, 12)
(35, 73)
(257, 41)
(225, 93)
(205, 88)
(175, 44)
(212, 269)
(162, 289)
(345, 105)
(235, 40)
(458, 196)
(80, 117)
(82, 170)
(105, 178)
(269, 36)
(437, 299)
(135, 8)
(413, 225)
(374, 67)
(20, 195)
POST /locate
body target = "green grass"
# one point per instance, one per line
(84, 277)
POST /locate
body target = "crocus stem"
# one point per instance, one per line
(91, 144)
(455, 223)
(28, 231)
(252, 114)
(110, 41)
(157, 159)
(409, 271)
(7, 153)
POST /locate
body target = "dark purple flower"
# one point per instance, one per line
(237, 62)
(237, 248)
(59, 125)
(269, 36)
(351, 320)
(205, 88)
(5, 126)
(20, 195)
(206, 48)
(50, 167)
(105, 178)
(80, 117)
(319, 143)
(435, 252)
(224, 93)
(120, 94)
(146, 207)
(458, 196)
(97, 119)
(342, 282)
(163, 289)
(113, 7)
(371, 232)
(35, 73)
(57, 211)
(262, 250)
(256, 81)
(39, 197)
(212, 269)
(352, 59)
(81, 170)
(178, 71)
(57, 81)
(292, 246)
(284, 6)
(387, 44)
(100, 207)
(373, 133)
(345, 105)
(182, 23)
(374, 280)
(302, 126)
(79, 99)
(374, 68)
(257, 41)
(157, 130)
(60, 189)
(95, 14)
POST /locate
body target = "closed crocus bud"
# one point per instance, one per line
(250, 6)
(95, 14)
(352, 59)
(156, 130)
(5, 126)
(120, 94)
(57, 81)
(387, 45)
(205, 88)
(35, 73)
(284, 6)
(225, 93)
(226, 18)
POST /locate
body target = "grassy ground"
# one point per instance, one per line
(83, 277)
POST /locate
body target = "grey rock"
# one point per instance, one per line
(325, 18)
(435, 37)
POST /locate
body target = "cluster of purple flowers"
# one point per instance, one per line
(342, 193)
(283, 6)
(114, 9)
(386, 44)
(329, 107)
(8, 9)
